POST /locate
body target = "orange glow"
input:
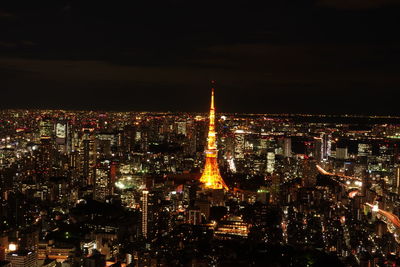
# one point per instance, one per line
(323, 172)
(109, 263)
(352, 194)
(211, 178)
(390, 216)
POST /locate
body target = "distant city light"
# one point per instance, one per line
(375, 208)
(12, 247)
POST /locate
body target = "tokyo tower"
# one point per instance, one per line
(211, 178)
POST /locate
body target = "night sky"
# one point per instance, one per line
(318, 56)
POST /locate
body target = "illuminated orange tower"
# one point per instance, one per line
(211, 178)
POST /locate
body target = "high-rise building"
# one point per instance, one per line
(145, 198)
(270, 162)
(317, 148)
(396, 180)
(326, 146)
(22, 258)
(211, 178)
(181, 127)
(322, 147)
(46, 128)
(308, 172)
(45, 158)
(239, 144)
(89, 157)
(276, 180)
(104, 143)
(287, 147)
(102, 184)
(341, 153)
(191, 137)
(62, 136)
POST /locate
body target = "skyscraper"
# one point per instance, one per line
(270, 162)
(102, 183)
(239, 144)
(322, 147)
(46, 128)
(396, 180)
(211, 178)
(145, 196)
(326, 146)
(89, 156)
(62, 135)
(287, 147)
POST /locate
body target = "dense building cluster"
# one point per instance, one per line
(85, 188)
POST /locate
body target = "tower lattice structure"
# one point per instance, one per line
(211, 178)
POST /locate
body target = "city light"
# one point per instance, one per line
(118, 147)
(12, 247)
(139, 180)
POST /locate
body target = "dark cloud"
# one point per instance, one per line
(358, 4)
(6, 15)
(284, 56)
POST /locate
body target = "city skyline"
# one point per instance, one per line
(117, 188)
(199, 133)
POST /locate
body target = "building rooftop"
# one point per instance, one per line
(20, 253)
